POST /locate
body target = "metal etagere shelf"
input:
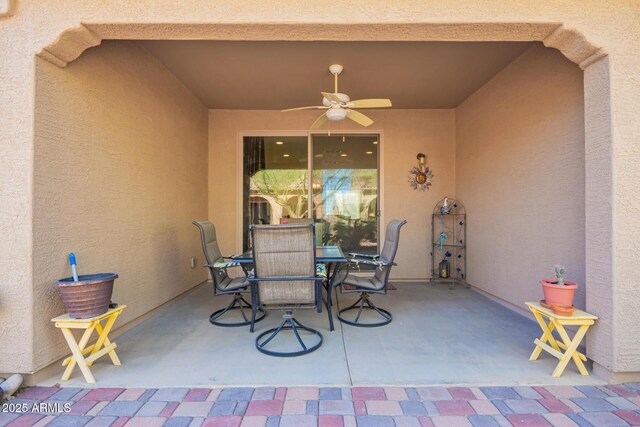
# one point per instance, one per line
(449, 243)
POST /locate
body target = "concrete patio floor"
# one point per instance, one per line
(438, 337)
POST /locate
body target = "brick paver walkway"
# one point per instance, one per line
(343, 407)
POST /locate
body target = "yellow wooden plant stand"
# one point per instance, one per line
(78, 349)
(548, 343)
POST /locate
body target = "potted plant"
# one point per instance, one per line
(86, 296)
(559, 291)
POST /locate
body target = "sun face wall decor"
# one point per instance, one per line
(420, 176)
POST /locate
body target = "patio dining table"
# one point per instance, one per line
(331, 256)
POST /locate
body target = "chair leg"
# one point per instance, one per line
(362, 301)
(275, 331)
(365, 303)
(238, 303)
(295, 331)
(244, 316)
(254, 307)
(288, 323)
(329, 313)
(253, 319)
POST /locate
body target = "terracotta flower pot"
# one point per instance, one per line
(555, 294)
(88, 297)
(562, 311)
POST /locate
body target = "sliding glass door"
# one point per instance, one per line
(275, 181)
(339, 171)
(345, 191)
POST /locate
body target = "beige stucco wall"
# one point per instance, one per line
(611, 101)
(405, 134)
(520, 174)
(120, 173)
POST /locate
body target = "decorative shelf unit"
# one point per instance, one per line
(452, 226)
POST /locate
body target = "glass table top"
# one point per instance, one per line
(323, 254)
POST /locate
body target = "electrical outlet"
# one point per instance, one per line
(193, 262)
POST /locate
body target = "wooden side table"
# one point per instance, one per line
(79, 349)
(548, 343)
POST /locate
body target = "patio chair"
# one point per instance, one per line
(372, 284)
(285, 278)
(223, 284)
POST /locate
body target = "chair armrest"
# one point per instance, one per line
(223, 264)
(357, 255)
(375, 262)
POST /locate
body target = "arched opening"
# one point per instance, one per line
(596, 160)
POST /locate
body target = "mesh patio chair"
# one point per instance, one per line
(223, 284)
(372, 284)
(285, 278)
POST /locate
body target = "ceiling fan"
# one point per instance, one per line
(339, 106)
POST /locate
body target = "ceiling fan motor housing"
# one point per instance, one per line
(336, 114)
(343, 99)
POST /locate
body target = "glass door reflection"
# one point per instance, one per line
(275, 181)
(345, 191)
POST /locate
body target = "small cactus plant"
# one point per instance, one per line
(559, 273)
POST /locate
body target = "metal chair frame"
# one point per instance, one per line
(238, 302)
(289, 322)
(364, 302)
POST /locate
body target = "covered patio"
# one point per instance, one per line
(438, 337)
(168, 140)
(122, 125)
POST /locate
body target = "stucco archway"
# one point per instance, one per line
(72, 42)
(591, 58)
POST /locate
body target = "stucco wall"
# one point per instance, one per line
(405, 134)
(612, 143)
(520, 174)
(120, 173)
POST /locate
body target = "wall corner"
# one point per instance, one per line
(574, 45)
(612, 377)
(69, 45)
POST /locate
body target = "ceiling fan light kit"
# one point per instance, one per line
(339, 106)
(336, 114)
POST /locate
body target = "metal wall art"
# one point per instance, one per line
(420, 176)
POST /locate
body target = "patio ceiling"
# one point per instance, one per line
(279, 74)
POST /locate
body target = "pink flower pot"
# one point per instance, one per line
(555, 294)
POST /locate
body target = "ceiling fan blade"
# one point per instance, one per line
(331, 97)
(319, 121)
(369, 103)
(359, 118)
(313, 107)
